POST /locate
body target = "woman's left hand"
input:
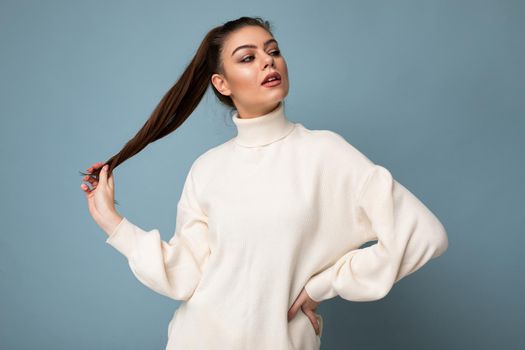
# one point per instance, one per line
(308, 305)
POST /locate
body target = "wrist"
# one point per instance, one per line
(111, 222)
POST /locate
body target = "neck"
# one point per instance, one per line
(264, 129)
(243, 113)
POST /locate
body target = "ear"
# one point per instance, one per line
(220, 84)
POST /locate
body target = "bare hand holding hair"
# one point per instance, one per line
(100, 198)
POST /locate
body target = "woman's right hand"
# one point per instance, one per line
(100, 198)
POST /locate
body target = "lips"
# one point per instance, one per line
(275, 75)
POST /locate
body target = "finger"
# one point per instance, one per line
(313, 319)
(299, 302)
(95, 166)
(85, 188)
(89, 179)
(103, 176)
(293, 310)
(110, 180)
(90, 169)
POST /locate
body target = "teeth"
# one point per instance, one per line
(270, 79)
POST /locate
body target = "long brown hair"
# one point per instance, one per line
(183, 97)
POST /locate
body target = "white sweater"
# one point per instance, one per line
(277, 208)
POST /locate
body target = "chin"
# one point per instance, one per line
(275, 99)
(278, 94)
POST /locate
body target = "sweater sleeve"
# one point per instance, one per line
(172, 268)
(408, 235)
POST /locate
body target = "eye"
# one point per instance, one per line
(244, 59)
(274, 53)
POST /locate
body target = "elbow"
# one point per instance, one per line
(382, 287)
(183, 282)
(178, 295)
(439, 242)
(382, 291)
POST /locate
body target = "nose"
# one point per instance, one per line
(269, 60)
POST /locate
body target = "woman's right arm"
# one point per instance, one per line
(172, 268)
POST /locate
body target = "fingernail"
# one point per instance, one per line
(105, 167)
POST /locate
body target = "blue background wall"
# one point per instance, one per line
(433, 90)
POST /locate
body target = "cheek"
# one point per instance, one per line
(246, 78)
(284, 67)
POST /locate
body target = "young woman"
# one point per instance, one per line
(269, 223)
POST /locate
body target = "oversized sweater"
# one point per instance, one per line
(274, 209)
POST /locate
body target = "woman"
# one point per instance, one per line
(269, 223)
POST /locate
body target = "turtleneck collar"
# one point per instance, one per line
(263, 129)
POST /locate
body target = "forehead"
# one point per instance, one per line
(249, 35)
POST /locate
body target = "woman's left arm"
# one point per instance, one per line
(408, 235)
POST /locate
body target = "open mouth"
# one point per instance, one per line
(272, 79)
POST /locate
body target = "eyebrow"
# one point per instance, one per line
(266, 43)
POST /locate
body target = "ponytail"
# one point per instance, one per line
(182, 98)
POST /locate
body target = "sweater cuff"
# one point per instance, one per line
(319, 287)
(122, 237)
